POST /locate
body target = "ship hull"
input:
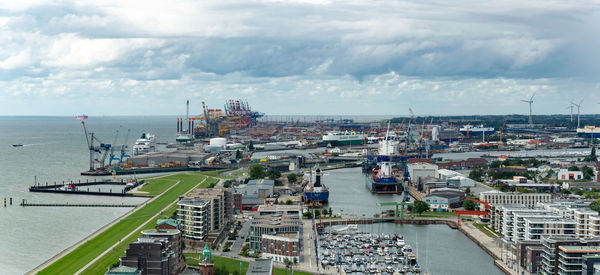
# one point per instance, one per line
(588, 135)
(477, 133)
(343, 142)
(316, 196)
(389, 186)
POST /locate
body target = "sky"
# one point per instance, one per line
(299, 57)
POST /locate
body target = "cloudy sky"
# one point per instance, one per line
(344, 57)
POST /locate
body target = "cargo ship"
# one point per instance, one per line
(344, 138)
(381, 179)
(315, 192)
(589, 132)
(470, 130)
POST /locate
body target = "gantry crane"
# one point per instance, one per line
(103, 149)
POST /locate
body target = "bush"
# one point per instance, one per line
(595, 205)
(273, 174)
(292, 178)
(469, 205)
(420, 207)
(257, 172)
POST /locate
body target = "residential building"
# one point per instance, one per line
(260, 267)
(173, 237)
(590, 264)
(281, 247)
(221, 206)
(570, 258)
(272, 225)
(150, 256)
(193, 214)
(495, 197)
(551, 244)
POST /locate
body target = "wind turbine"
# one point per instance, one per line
(571, 107)
(578, 113)
(530, 101)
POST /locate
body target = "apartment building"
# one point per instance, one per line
(495, 197)
(194, 214)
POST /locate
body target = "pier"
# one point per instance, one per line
(452, 223)
(25, 203)
(75, 188)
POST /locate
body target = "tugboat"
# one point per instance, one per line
(315, 193)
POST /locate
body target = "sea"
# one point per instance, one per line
(54, 150)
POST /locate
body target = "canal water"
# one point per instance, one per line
(440, 250)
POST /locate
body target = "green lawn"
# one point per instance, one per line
(156, 186)
(232, 266)
(435, 214)
(79, 257)
(485, 229)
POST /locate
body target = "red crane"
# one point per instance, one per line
(473, 212)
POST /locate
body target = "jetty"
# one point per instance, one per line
(72, 187)
(25, 203)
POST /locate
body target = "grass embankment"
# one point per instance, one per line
(232, 266)
(85, 253)
(486, 230)
(434, 214)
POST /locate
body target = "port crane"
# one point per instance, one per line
(123, 152)
(103, 148)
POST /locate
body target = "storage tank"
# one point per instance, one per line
(218, 142)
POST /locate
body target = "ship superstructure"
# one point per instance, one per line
(338, 138)
(381, 179)
(315, 191)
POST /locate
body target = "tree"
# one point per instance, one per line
(592, 156)
(420, 207)
(595, 205)
(257, 172)
(476, 174)
(273, 173)
(307, 214)
(292, 178)
(469, 205)
(468, 191)
(238, 154)
(289, 202)
(573, 168)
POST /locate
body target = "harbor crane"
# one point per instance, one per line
(102, 149)
(123, 152)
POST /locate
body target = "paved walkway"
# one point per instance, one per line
(490, 244)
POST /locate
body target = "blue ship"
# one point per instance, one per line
(316, 192)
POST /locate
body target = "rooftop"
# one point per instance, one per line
(579, 249)
(260, 266)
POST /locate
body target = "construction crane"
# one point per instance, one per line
(102, 148)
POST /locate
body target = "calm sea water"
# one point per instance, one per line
(54, 149)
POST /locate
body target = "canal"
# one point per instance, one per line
(440, 250)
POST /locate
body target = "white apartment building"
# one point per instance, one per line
(536, 227)
(193, 214)
(495, 197)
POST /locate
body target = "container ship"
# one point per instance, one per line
(344, 138)
(315, 192)
(589, 132)
(470, 130)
